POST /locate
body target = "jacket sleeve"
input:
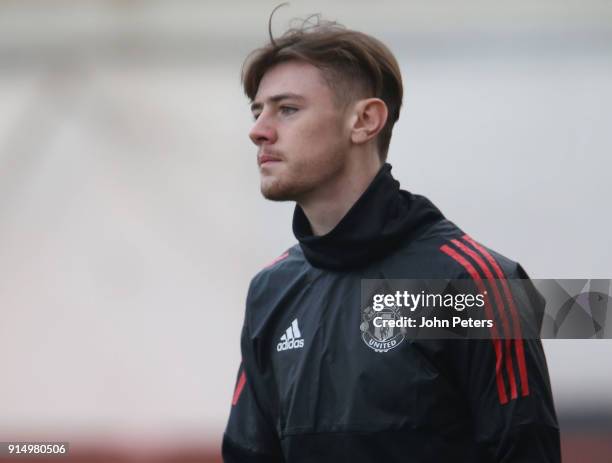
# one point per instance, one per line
(521, 427)
(250, 436)
(507, 385)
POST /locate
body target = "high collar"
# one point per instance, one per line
(382, 218)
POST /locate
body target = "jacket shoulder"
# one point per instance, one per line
(446, 251)
(278, 270)
(272, 285)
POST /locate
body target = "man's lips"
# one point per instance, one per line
(265, 158)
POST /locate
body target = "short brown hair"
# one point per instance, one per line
(353, 64)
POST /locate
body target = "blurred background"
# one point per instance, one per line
(131, 220)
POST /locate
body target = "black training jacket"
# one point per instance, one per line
(309, 389)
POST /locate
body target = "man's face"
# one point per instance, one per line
(300, 131)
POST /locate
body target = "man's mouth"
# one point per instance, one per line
(266, 158)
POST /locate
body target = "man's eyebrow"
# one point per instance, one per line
(276, 98)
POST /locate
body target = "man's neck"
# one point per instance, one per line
(329, 204)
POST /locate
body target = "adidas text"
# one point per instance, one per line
(291, 339)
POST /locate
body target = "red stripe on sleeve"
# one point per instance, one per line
(502, 314)
(518, 342)
(239, 387)
(497, 345)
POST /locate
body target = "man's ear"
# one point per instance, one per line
(369, 118)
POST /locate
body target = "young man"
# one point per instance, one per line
(309, 388)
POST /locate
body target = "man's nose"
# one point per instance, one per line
(262, 131)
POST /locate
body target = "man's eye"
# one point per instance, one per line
(286, 110)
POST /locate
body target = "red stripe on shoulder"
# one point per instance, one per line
(497, 344)
(500, 309)
(278, 259)
(518, 341)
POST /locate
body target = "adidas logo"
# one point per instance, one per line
(291, 339)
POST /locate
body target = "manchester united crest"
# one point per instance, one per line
(375, 329)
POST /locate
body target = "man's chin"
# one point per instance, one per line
(276, 191)
(274, 194)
